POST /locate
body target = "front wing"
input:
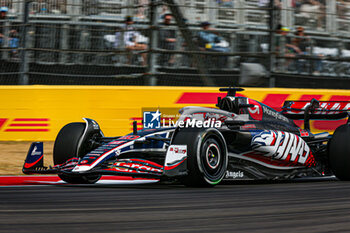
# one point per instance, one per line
(175, 165)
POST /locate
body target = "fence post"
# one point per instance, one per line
(84, 44)
(24, 68)
(272, 47)
(213, 12)
(153, 26)
(240, 16)
(30, 43)
(64, 44)
(311, 62)
(287, 13)
(233, 43)
(331, 16)
(178, 47)
(5, 42)
(74, 8)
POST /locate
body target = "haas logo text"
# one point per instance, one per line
(282, 146)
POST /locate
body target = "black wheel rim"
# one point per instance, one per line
(213, 156)
(212, 160)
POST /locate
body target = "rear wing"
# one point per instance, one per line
(315, 110)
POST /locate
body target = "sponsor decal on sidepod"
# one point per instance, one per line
(282, 146)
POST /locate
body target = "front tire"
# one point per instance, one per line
(206, 156)
(339, 152)
(66, 147)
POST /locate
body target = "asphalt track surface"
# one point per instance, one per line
(303, 206)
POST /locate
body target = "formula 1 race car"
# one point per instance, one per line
(241, 139)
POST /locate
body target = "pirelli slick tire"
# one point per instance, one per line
(66, 147)
(339, 152)
(206, 155)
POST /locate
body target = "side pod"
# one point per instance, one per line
(35, 158)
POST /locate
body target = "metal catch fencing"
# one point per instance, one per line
(80, 41)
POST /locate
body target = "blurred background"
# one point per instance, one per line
(262, 43)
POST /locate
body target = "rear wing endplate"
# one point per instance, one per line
(315, 110)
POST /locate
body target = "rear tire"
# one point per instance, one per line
(66, 147)
(206, 156)
(339, 152)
